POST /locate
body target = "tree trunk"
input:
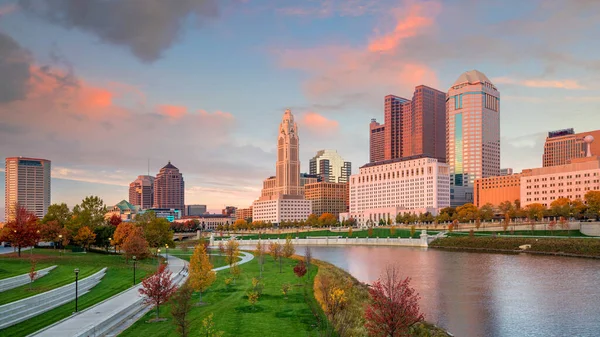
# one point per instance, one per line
(280, 264)
(19, 250)
(157, 310)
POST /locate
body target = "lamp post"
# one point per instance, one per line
(134, 260)
(167, 252)
(60, 243)
(158, 257)
(76, 286)
(110, 244)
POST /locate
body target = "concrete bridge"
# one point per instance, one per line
(186, 235)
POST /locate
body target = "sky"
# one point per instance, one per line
(102, 87)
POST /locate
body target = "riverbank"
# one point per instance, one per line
(587, 248)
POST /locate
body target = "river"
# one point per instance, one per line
(480, 294)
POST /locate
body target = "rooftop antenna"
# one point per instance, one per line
(148, 166)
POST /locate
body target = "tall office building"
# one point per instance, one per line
(424, 124)
(328, 197)
(473, 133)
(394, 111)
(376, 141)
(563, 145)
(330, 166)
(27, 182)
(195, 210)
(141, 192)
(169, 189)
(282, 197)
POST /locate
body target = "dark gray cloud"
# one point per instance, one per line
(146, 27)
(15, 63)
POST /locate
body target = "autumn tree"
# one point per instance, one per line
(288, 248)
(122, 232)
(221, 247)
(181, 305)
(232, 252)
(158, 288)
(235, 271)
(560, 207)
(592, 199)
(413, 230)
(85, 237)
(350, 232)
(486, 212)
(260, 255)
(313, 220)
(466, 212)
(157, 232)
(370, 231)
(535, 211)
(327, 220)
(200, 271)
(51, 231)
(114, 220)
(209, 329)
(239, 224)
(394, 306)
(276, 252)
(285, 289)
(393, 231)
(300, 269)
(32, 273)
(136, 245)
(22, 231)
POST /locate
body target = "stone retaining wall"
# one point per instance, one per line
(17, 281)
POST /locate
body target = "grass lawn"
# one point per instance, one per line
(119, 276)
(570, 233)
(10, 267)
(377, 232)
(216, 260)
(273, 315)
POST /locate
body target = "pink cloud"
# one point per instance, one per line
(172, 111)
(317, 123)
(539, 83)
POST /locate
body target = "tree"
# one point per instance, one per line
(32, 273)
(592, 199)
(260, 254)
(276, 251)
(506, 207)
(288, 248)
(350, 232)
(351, 222)
(394, 306)
(239, 224)
(552, 226)
(221, 247)
(201, 273)
(300, 269)
(308, 258)
(370, 231)
(51, 231)
(486, 212)
(327, 220)
(232, 251)
(136, 245)
(208, 328)
(560, 207)
(85, 237)
(235, 272)
(114, 220)
(122, 232)
(252, 297)
(158, 232)
(413, 230)
(22, 231)
(181, 305)
(285, 289)
(158, 288)
(312, 220)
(89, 213)
(535, 211)
(59, 213)
(467, 212)
(578, 208)
(103, 234)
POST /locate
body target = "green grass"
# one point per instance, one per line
(216, 260)
(119, 277)
(377, 232)
(570, 233)
(273, 315)
(10, 267)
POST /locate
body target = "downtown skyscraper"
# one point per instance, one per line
(169, 188)
(141, 192)
(472, 134)
(27, 183)
(330, 166)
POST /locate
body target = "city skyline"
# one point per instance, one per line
(118, 90)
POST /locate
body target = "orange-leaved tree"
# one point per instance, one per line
(85, 237)
(136, 245)
(22, 231)
(201, 273)
(158, 288)
(121, 233)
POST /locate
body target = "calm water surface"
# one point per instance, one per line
(475, 294)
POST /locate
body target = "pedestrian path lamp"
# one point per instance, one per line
(134, 260)
(158, 257)
(167, 252)
(60, 239)
(76, 286)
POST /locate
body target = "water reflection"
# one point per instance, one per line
(473, 294)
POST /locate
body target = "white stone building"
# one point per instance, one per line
(281, 209)
(410, 185)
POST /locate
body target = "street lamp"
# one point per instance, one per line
(167, 252)
(158, 257)
(76, 286)
(134, 260)
(60, 243)
(110, 244)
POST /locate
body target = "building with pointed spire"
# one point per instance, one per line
(169, 189)
(282, 197)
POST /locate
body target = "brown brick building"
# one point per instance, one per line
(563, 145)
(495, 190)
(328, 197)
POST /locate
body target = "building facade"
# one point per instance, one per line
(125, 210)
(169, 189)
(376, 141)
(209, 221)
(495, 190)
(27, 183)
(563, 145)
(244, 213)
(330, 166)
(394, 110)
(141, 192)
(195, 210)
(382, 190)
(328, 197)
(506, 171)
(472, 134)
(282, 197)
(572, 181)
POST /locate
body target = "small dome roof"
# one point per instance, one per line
(472, 77)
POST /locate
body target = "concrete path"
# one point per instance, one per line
(8, 250)
(114, 315)
(17, 281)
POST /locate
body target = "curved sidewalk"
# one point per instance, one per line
(117, 313)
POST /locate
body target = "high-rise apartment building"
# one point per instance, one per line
(376, 141)
(328, 197)
(424, 124)
(169, 189)
(282, 197)
(472, 133)
(563, 145)
(27, 182)
(394, 111)
(330, 166)
(141, 192)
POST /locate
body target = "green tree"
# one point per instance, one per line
(486, 212)
(90, 212)
(399, 218)
(561, 207)
(158, 233)
(313, 220)
(103, 235)
(59, 213)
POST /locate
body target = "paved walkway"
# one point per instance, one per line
(8, 250)
(105, 311)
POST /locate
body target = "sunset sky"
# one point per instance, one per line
(99, 87)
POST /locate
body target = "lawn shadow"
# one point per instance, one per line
(248, 309)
